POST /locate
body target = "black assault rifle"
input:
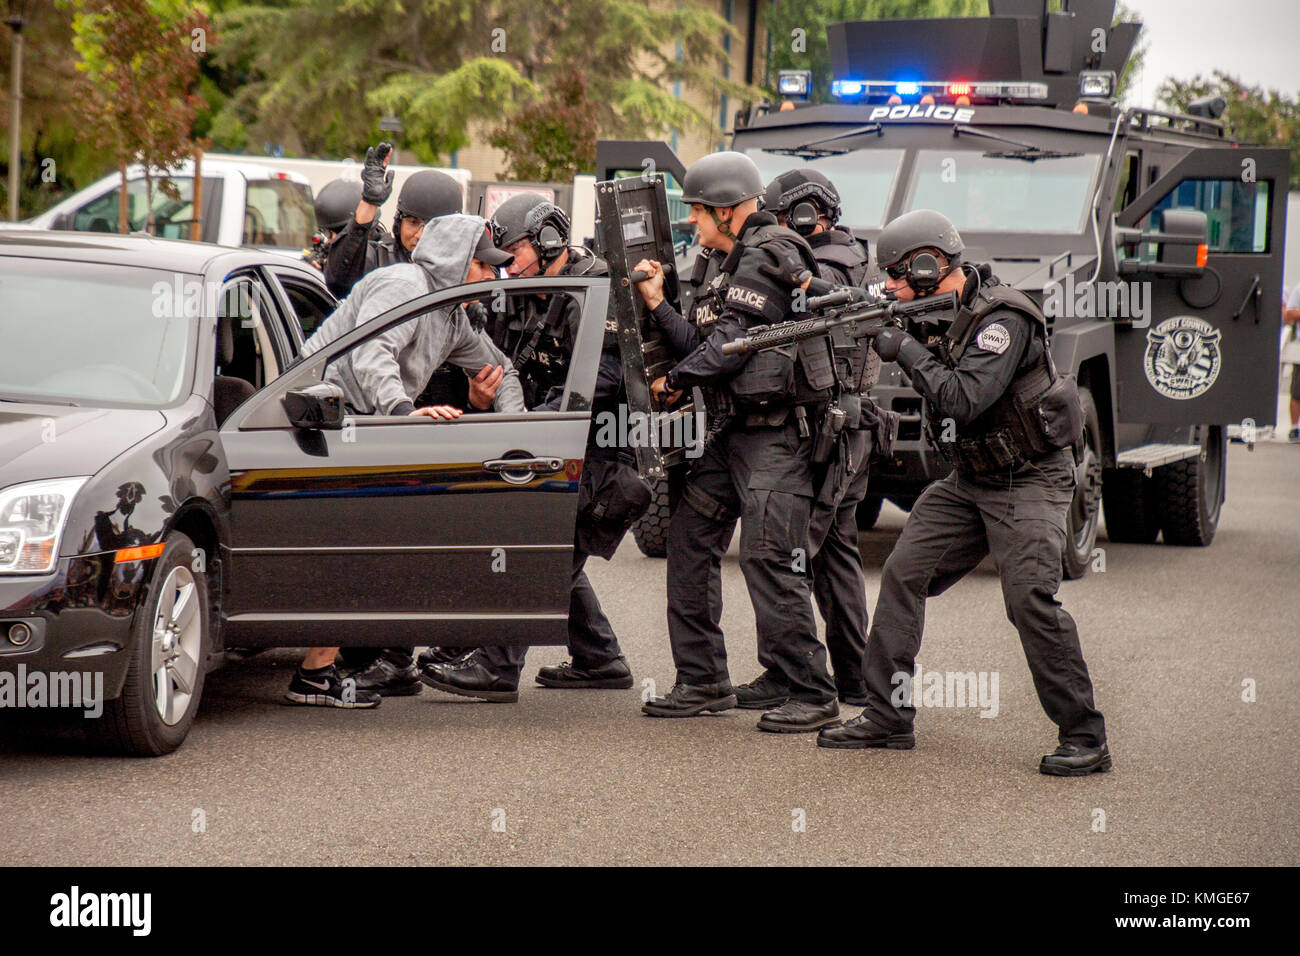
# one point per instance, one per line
(849, 306)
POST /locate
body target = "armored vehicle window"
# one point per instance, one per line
(864, 179)
(1237, 213)
(1004, 193)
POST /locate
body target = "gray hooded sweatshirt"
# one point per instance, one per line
(394, 367)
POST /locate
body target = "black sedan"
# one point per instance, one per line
(175, 483)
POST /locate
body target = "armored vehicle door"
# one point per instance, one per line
(1204, 349)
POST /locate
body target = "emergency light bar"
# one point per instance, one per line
(868, 91)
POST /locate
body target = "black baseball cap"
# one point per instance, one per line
(486, 251)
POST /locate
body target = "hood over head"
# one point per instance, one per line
(447, 247)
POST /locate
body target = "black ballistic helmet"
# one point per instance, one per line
(919, 229)
(336, 203)
(802, 196)
(429, 194)
(722, 179)
(530, 216)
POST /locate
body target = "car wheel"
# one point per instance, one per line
(1190, 493)
(170, 644)
(651, 529)
(1085, 510)
(868, 512)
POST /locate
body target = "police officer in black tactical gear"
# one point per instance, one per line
(998, 411)
(334, 206)
(539, 336)
(807, 202)
(363, 246)
(756, 463)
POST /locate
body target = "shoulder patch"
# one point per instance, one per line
(994, 338)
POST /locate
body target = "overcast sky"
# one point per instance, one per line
(1255, 40)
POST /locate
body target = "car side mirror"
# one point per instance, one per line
(315, 406)
(1181, 245)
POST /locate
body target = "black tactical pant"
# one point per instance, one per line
(1021, 521)
(763, 477)
(838, 585)
(591, 637)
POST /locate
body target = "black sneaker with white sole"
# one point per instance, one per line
(325, 688)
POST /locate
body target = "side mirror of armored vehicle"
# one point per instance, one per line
(315, 406)
(1181, 245)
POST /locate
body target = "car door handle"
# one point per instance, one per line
(519, 471)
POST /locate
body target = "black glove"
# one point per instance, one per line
(376, 180)
(888, 341)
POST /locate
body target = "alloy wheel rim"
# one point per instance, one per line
(177, 635)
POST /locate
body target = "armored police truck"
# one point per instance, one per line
(1153, 240)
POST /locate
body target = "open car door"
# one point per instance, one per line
(395, 531)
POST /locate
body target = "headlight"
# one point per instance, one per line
(31, 523)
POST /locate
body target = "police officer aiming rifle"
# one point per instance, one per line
(999, 412)
(334, 206)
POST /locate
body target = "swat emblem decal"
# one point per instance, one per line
(1182, 358)
(994, 338)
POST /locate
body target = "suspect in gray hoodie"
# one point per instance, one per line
(385, 375)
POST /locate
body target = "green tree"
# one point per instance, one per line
(321, 72)
(798, 32)
(139, 62)
(1257, 116)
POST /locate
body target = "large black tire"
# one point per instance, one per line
(1128, 498)
(1190, 493)
(133, 724)
(651, 529)
(1084, 515)
(868, 512)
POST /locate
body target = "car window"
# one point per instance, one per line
(402, 363)
(172, 203)
(311, 305)
(1236, 213)
(279, 213)
(246, 346)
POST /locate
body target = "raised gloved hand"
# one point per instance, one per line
(376, 178)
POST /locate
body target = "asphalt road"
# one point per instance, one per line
(1170, 634)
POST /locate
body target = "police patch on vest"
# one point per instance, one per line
(746, 298)
(994, 338)
(1182, 358)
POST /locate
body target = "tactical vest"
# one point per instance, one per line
(537, 335)
(843, 258)
(707, 289)
(1038, 413)
(802, 373)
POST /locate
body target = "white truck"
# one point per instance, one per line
(243, 204)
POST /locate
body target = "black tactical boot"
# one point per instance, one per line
(1074, 760)
(387, 679)
(469, 678)
(615, 675)
(443, 655)
(860, 733)
(762, 693)
(691, 700)
(800, 717)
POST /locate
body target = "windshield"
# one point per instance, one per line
(1004, 194)
(95, 334)
(279, 213)
(863, 178)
